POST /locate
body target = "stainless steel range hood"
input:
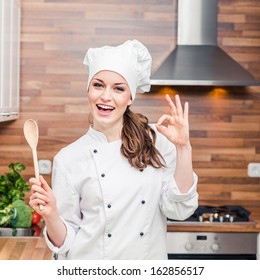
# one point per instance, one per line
(197, 59)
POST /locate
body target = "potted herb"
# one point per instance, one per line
(14, 212)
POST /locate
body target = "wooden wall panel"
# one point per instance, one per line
(239, 32)
(224, 123)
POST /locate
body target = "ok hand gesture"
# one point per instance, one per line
(175, 126)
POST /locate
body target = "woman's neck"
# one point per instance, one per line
(112, 133)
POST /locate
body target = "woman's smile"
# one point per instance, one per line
(104, 109)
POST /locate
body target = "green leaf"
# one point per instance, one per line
(12, 185)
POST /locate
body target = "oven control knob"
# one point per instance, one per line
(215, 247)
(188, 246)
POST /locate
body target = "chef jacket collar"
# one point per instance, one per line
(98, 136)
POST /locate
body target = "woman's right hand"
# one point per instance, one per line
(43, 195)
(42, 199)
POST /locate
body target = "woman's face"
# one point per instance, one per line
(108, 97)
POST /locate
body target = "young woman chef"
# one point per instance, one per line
(113, 188)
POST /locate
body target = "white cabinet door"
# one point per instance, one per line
(9, 59)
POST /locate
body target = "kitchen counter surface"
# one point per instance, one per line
(24, 248)
(214, 227)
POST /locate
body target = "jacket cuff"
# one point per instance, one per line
(67, 242)
(175, 194)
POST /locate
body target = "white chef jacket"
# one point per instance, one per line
(112, 210)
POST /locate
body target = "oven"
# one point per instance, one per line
(214, 245)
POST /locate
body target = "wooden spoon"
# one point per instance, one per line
(31, 133)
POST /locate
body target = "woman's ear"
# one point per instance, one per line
(130, 101)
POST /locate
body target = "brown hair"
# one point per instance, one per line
(138, 142)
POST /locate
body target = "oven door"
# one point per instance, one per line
(212, 245)
(211, 257)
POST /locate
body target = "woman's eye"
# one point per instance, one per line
(97, 85)
(121, 89)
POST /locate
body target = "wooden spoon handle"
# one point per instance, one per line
(36, 169)
(35, 163)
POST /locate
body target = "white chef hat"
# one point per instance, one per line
(131, 60)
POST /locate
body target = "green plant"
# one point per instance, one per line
(16, 215)
(12, 185)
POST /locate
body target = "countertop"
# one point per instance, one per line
(24, 248)
(214, 227)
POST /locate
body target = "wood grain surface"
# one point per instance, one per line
(24, 248)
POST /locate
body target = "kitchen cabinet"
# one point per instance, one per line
(10, 12)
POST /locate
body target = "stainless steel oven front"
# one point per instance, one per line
(213, 245)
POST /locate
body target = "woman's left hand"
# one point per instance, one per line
(175, 126)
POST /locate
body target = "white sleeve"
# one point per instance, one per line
(176, 205)
(173, 203)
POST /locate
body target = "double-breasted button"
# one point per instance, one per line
(109, 205)
(103, 175)
(141, 234)
(95, 151)
(141, 170)
(109, 235)
(143, 201)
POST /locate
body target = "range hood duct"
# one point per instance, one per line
(197, 60)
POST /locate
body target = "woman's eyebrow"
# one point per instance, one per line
(98, 80)
(117, 84)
